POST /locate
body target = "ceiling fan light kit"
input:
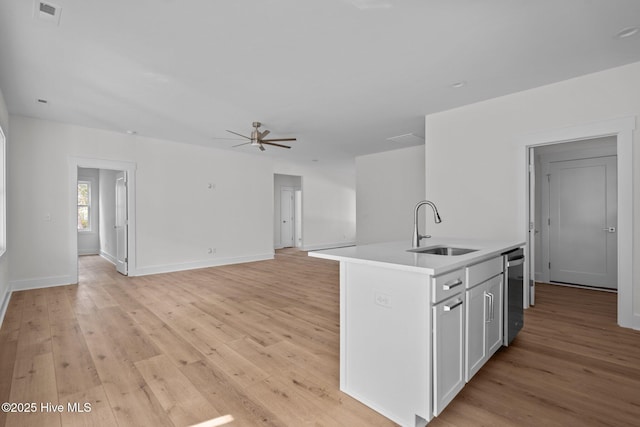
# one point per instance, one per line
(257, 138)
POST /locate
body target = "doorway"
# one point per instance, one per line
(287, 191)
(102, 215)
(576, 218)
(622, 129)
(111, 208)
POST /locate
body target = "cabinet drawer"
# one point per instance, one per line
(447, 285)
(482, 271)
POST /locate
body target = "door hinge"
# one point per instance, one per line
(126, 260)
(549, 266)
(548, 221)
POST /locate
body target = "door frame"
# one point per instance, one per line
(84, 162)
(282, 180)
(622, 129)
(292, 210)
(122, 230)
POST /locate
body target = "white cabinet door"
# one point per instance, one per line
(495, 314)
(483, 324)
(448, 351)
(476, 320)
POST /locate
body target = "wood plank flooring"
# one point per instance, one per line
(259, 342)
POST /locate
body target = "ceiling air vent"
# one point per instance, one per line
(407, 138)
(47, 12)
(47, 8)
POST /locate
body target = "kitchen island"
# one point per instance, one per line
(415, 327)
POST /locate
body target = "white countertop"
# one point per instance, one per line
(394, 254)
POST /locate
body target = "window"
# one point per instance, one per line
(84, 206)
(3, 196)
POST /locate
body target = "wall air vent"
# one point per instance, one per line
(47, 12)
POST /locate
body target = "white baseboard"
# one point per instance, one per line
(42, 282)
(108, 257)
(636, 322)
(47, 282)
(327, 246)
(169, 268)
(4, 303)
(88, 252)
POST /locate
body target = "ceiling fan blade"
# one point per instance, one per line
(279, 139)
(277, 145)
(244, 143)
(263, 134)
(236, 133)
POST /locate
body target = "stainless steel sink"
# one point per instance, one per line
(442, 250)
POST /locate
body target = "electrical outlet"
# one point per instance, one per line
(383, 300)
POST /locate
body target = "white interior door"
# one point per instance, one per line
(286, 217)
(121, 223)
(582, 222)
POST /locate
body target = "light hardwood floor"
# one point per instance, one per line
(260, 342)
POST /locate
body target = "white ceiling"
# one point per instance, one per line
(340, 75)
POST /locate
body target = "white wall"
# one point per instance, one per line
(388, 187)
(107, 180)
(475, 154)
(4, 263)
(89, 241)
(328, 203)
(178, 216)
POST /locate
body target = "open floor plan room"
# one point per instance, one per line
(258, 344)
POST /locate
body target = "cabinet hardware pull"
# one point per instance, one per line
(491, 309)
(451, 284)
(487, 307)
(451, 307)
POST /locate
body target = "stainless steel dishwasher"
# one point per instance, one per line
(513, 293)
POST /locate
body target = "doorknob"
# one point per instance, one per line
(610, 229)
(284, 222)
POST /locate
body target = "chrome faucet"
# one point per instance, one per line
(436, 217)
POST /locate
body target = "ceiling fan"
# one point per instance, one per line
(257, 138)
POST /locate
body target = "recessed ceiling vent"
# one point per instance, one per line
(371, 4)
(47, 12)
(407, 138)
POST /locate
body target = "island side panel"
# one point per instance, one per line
(385, 332)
